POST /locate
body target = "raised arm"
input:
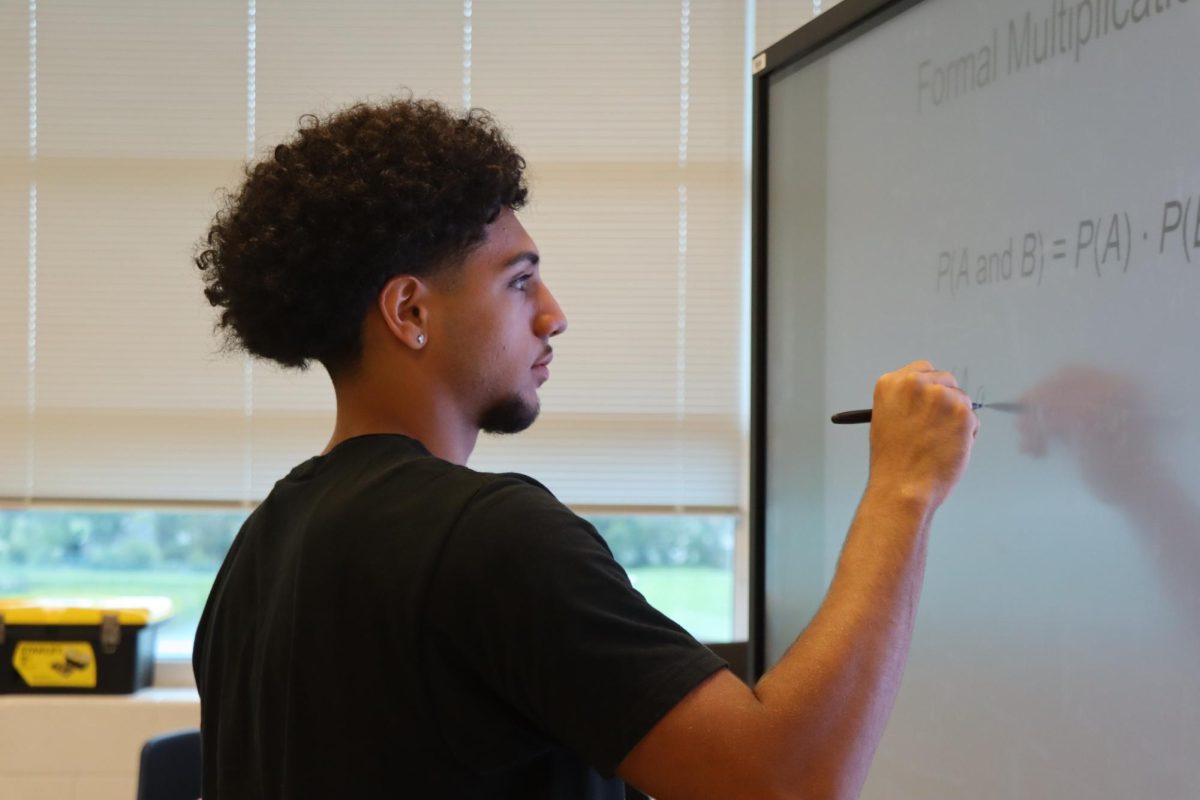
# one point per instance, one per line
(811, 725)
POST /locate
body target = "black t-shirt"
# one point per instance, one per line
(388, 624)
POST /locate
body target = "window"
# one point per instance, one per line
(113, 394)
(683, 564)
(93, 554)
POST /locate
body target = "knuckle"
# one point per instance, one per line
(911, 381)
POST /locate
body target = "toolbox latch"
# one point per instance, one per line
(110, 634)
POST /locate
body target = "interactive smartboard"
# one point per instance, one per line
(1011, 190)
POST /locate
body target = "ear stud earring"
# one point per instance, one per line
(420, 338)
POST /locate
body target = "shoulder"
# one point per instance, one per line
(514, 539)
(510, 493)
(509, 514)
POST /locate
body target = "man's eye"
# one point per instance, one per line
(521, 281)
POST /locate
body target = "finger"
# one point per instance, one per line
(941, 377)
(921, 365)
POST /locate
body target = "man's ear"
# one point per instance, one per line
(404, 304)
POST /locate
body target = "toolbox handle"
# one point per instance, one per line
(110, 634)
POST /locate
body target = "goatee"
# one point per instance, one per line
(510, 415)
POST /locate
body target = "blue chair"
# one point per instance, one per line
(170, 767)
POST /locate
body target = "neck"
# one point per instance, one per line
(364, 409)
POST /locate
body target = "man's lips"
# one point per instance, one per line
(542, 367)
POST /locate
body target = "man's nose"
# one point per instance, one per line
(551, 320)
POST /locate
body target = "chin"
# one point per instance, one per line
(511, 415)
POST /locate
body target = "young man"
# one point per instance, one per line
(390, 623)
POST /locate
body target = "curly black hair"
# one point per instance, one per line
(296, 257)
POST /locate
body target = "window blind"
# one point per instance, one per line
(122, 120)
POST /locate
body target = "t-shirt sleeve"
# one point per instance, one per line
(528, 595)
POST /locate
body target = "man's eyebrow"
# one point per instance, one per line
(525, 255)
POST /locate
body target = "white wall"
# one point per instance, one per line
(84, 748)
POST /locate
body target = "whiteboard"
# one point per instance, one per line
(1011, 190)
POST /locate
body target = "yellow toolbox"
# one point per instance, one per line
(75, 646)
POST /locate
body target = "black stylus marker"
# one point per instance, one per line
(864, 414)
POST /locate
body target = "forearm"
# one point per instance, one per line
(810, 727)
(829, 697)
